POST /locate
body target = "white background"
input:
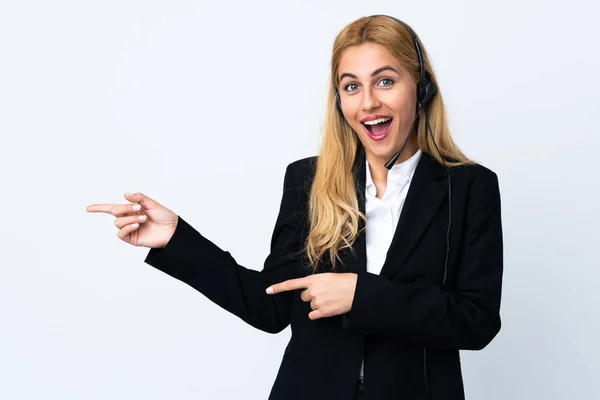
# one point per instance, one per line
(187, 100)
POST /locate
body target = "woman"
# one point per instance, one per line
(383, 275)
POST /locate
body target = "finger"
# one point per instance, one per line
(291, 284)
(127, 230)
(114, 209)
(316, 314)
(123, 221)
(105, 208)
(306, 296)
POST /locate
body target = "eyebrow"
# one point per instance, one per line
(377, 71)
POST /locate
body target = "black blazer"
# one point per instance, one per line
(406, 325)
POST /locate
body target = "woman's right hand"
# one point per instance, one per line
(152, 225)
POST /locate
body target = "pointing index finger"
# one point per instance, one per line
(290, 284)
(105, 208)
(114, 209)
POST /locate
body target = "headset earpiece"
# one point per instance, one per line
(425, 90)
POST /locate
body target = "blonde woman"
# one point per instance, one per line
(386, 257)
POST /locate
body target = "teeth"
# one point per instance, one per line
(376, 121)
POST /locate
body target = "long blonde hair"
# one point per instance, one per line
(333, 204)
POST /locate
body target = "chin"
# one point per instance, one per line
(382, 149)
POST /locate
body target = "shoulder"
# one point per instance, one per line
(475, 172)
(462, 175)
(478, 182)
(302, 171)
(303, 166)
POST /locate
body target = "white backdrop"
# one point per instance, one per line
(186, 100)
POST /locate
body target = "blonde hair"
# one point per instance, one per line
(333, 212)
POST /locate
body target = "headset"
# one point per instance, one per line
(426, 88)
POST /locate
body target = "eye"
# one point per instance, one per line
(346, 88)
(391, 82)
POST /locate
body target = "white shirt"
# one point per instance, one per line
(383, 214)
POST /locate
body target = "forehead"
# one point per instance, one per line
(365, 58)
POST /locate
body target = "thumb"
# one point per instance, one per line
(142, 199)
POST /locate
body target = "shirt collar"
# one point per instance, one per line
(400, 173)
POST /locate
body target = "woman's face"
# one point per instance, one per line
(376, 88)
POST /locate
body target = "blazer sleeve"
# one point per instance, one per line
(198, 262)
(467, 316)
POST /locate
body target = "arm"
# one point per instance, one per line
(464, 317)
(196, 261)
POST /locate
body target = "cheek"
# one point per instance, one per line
(351, 107)
(357, 128)
(401, 105)
(351, 117)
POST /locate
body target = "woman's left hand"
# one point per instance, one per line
(329, 293)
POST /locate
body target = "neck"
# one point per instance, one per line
(377, 167)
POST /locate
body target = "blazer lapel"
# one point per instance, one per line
(423, 199)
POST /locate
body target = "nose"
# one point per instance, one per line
(370, 99)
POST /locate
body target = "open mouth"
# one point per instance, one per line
(378, 127)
